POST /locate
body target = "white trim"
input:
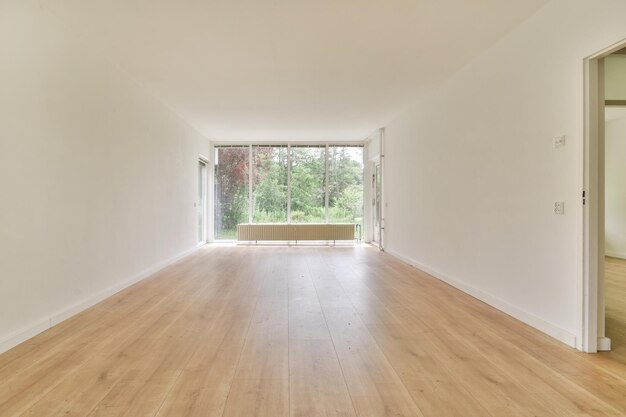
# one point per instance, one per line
(615, 255)
(204, 200)
(288, 183)
(367, 196)
(604, 344)
(548, 328)
(588, 310)
(250, 184)
(326, 183)
(211, 195)
(381, 220)
(591, 309)
(13, 339)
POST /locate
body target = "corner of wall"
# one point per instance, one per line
(550, 329)
(10, 341)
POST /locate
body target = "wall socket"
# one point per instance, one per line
(559, 207)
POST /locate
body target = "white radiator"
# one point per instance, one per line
(295, 232)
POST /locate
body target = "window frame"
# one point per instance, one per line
(289, 146)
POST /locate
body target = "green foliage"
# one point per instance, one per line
(307, 185)
(345, 185)
(351, 199)
(270, 189)
(231, 191)
(313, 215)
(308, 165)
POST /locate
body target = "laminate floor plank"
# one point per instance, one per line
(246, 331)
(110, 362)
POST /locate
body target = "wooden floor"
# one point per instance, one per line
(253, 331)
(615, 299)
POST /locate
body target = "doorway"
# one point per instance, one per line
(615, 200)
(201, 203)
(598, 191)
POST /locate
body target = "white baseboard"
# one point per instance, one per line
(604, 344)
(513, 311)
(615, 254)
(13, 339)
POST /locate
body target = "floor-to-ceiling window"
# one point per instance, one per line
(345, 184)
(308, 170)
(287, 184)
(269, 184)
(231, 190)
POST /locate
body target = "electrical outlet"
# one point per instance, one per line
(558, 141)
(559, 207)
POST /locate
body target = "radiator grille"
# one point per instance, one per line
(254, 232)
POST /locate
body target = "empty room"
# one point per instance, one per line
(372, 208)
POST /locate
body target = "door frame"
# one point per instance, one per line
(379, 159)
(204, 200)
(592, 318)
(376, 212)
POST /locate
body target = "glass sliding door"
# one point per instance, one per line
(377, 208)
(308, 184)
(231, 190)
(269, 184)
(345, 184)
(201, 205)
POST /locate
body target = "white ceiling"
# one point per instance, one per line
(290, 69)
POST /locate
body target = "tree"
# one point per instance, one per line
(346, 184)
(307, 184)
(269, 182)
(231, 185)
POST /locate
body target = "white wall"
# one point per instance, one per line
(615, 172)
(615, 155)
(615, 77)
(471, 175)
(97, 179)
